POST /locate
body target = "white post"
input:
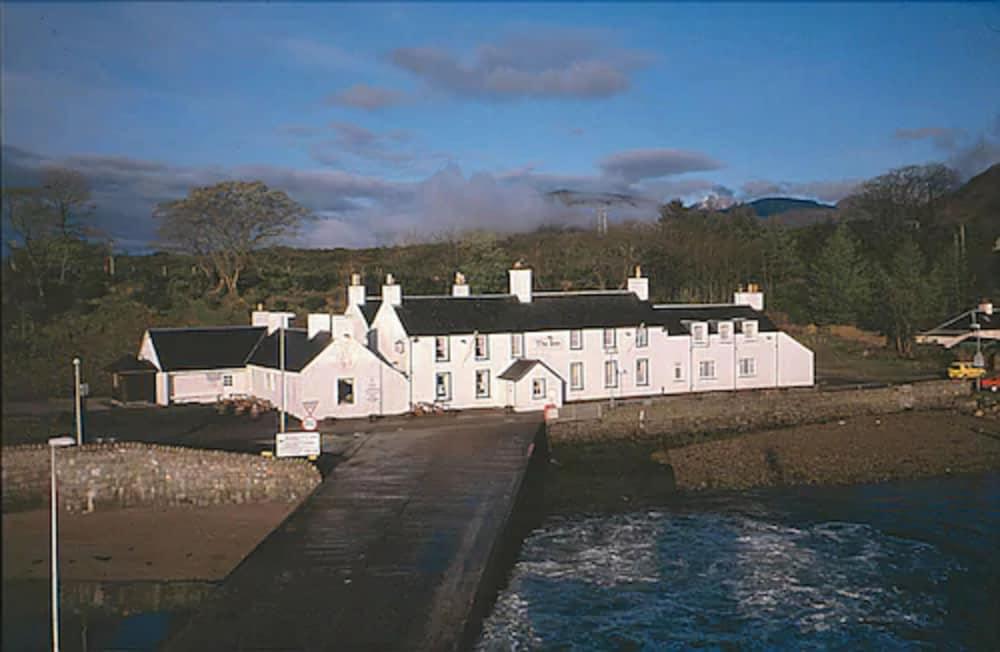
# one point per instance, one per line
(55, 442)
(281, 354)
(76, 401)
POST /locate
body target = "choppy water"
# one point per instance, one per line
(897, 566)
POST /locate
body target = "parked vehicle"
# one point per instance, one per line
(965, 370)
(991, 383)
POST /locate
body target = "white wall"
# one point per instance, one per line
(520, 394)
(763, 348)
(148, 352)
(205, 386)
(378, 389)
(795, 363)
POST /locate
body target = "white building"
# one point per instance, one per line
(522, 350)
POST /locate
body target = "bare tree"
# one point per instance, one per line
(224, 223)
(32, 226)
(67, 194)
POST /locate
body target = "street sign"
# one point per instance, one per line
(309, 423)
(297, 444)
(84, 389)
(978, 360)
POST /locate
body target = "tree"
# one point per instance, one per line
(483, 261)
(67, 195)
(222, 224)
(780, 263)
(841, 281)
(907, 295)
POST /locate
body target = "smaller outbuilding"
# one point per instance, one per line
(132, 380)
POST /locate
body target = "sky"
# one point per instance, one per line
(402, 122)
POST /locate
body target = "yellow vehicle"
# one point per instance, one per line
(965, 370)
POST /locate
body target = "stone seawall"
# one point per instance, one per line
(681, 420)
(130, 474)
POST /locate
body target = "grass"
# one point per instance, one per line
(857, 360)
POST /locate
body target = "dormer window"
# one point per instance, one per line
(641, 336)
(750, 329)
(442, 349)
(725, 331)
(482, 347)
(699, 333)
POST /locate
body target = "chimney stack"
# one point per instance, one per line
(520, 282)
(751, 296)
(392, 293)
(317, 323)
(355, 291)
(639, 285)
(460, 288)
(986, 307)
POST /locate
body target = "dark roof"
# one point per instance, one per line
(130, 364)
(518, 370)
(299, 349)
(504, 313)
(679, 317)
(369, 308)
(181, 349)
(962, 323)
(555, 311)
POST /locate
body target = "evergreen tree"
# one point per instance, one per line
(840, 280)
(907, 295)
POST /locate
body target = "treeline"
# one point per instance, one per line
(910, 248)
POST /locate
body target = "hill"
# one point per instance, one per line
(771, 206)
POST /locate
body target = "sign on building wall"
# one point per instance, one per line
(296, 444)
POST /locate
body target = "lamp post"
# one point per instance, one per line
(54, 443)
(281, 354)
(77, 408)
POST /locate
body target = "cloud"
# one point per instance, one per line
(309, 52)
(369, 98)
(561, 64)
(942, 137)
(830, 190)
(638, 164)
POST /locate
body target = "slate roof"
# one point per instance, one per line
(962, 323)
(518, 370)
(299, 349)
(503, 313)
(186, 349)
(679, 317)
(130, 364)
(369, 309)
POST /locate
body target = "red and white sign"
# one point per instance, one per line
(309, 423)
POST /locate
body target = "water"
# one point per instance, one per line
(897, 566)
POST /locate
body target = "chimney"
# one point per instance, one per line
(340, 326)
(751, 296)
(986, 307)
(259, 316)
(520, 282)
(460, 287)
(355, 291)
(639, 285)
(391, 292)
(318, 323)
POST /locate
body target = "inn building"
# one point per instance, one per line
(523, 350)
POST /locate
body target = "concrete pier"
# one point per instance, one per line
(389, 553)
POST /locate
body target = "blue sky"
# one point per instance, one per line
(405, 121)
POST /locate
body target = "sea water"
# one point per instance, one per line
(906, 565)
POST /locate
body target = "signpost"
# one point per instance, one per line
(309, 423)
(297, 444)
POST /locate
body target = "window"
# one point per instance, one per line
(706, 369)
(642, 372)
(227, 380)
(609, 338)
(611, 373)
(725, 331)
(750, 329)
(576, 340)
(576, 375)
(641, 336)
(442, 349)
(345, 391)
(517, 345)
(748, 367)
(538, 388)
(482, 383)
(678, 371)
(442, 386)
(699, 333)
(482, 347)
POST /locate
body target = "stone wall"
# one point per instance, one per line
(682, 420)
(131, 474)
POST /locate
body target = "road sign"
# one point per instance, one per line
(309, 407)
(296, 444)
(309, 423)
(84, 389)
